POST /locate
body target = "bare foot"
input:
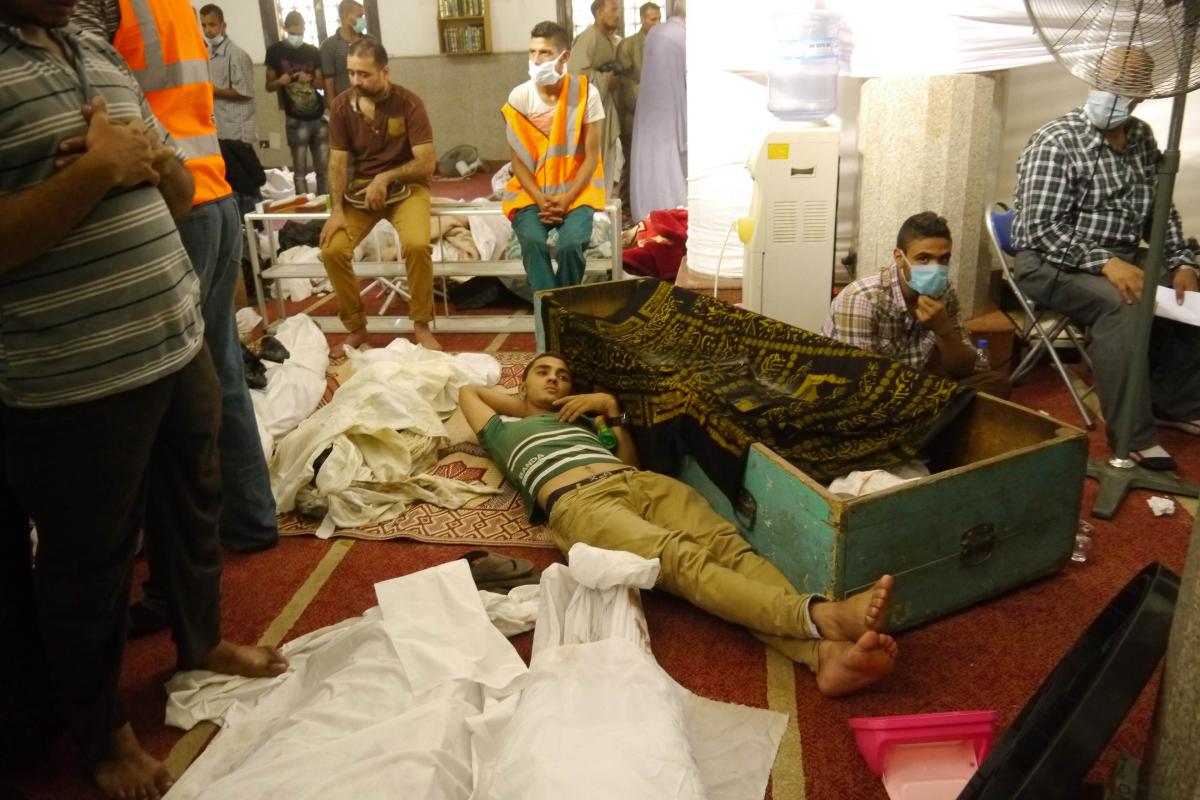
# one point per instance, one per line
(845, 667)
(131, 773)
(847, 620)
(424, 337)
(245, 660)
(355, 339)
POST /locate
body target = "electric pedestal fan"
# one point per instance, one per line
(1137, 49)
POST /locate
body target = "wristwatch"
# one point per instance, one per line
(619, 421)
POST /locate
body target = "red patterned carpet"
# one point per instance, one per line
(992, 656)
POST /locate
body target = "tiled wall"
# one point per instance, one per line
(462, 94)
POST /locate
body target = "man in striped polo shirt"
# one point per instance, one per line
(543, 443)
(108, 400)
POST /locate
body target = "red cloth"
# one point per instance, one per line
(660, 244)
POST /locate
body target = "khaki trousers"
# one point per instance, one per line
(704, 558)
(410, 217)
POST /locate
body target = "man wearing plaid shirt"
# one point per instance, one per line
(1085, 191)
(909, 319)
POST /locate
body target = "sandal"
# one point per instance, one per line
(1155, 463)
(1192, 427)
(499, 573)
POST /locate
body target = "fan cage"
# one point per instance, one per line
(1136, 49)
(446, 165)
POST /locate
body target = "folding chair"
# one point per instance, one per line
(393, 288)
(1041, 327)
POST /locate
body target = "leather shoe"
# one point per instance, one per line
(256, 372)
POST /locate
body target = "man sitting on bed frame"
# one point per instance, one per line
(549, 450)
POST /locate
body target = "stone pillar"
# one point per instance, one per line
(929, 144)
(1173, 758)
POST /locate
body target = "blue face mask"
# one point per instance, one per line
(1106, 110)
(928, 279)
(295, 39)
(360, 26)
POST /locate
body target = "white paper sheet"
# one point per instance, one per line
(1166, 307)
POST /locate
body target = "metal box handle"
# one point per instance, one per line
(745, 508)
(976, 544)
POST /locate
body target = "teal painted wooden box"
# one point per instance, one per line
(1000, 510)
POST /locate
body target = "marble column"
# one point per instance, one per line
(929, 143)
(1173, 760)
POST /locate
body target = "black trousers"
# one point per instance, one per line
(27, 718)
(90, 475)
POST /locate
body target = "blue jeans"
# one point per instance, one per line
(305, 136)
(574, 235)
(212, 235)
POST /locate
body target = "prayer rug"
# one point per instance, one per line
(498, 519)
(700, 376)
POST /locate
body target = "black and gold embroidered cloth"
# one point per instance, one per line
(699, 376)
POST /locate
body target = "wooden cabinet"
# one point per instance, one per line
(464, 27)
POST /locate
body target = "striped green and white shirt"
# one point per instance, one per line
(115, 304)
(533, 450)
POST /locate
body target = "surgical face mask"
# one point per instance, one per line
(215, 41)
(930, 280)
(295, 39)
(544, 74)
(360, 26)
(1107, 110)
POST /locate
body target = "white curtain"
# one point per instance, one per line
(728, 59)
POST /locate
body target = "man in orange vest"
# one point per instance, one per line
(162, 42)
(554, 125)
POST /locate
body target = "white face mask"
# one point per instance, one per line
(1107, 110)
(545, 74)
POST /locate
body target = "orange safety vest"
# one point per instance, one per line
(553, 160)
(161, 42)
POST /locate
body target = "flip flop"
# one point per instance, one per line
(1186, 426)
(502, 587)
(1154, 463)
(492, 571)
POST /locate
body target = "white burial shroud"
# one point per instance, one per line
(382, 431)
(423, 697)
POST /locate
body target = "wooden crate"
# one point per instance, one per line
(1000, 509)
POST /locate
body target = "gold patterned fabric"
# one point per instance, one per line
(699, 376)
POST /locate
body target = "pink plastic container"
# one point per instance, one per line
(875, 735)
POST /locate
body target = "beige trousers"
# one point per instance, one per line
(704, 558)
(410, 217)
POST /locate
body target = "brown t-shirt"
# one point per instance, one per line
(387, 140)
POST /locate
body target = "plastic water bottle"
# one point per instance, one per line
(983, 361)
(604, 433)
(1083, 543)
(802, 77)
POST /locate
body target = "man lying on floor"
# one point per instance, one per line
(553, 455)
